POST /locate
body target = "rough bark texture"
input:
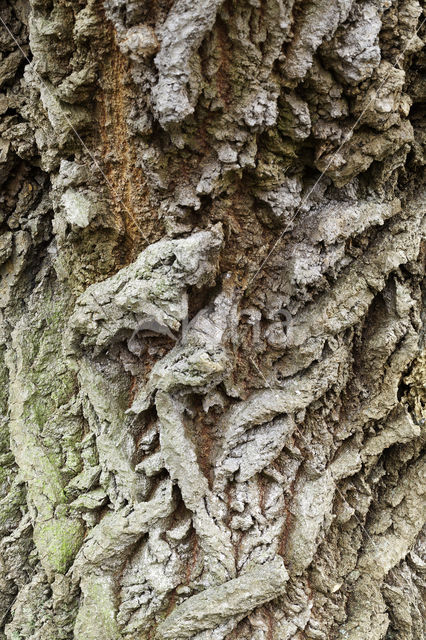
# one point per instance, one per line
(212, 378)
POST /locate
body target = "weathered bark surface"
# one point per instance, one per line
(212, 378)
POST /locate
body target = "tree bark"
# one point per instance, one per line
(211, 357)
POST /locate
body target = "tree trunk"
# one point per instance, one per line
(212, 378)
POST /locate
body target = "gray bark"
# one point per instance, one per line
(212, 373)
